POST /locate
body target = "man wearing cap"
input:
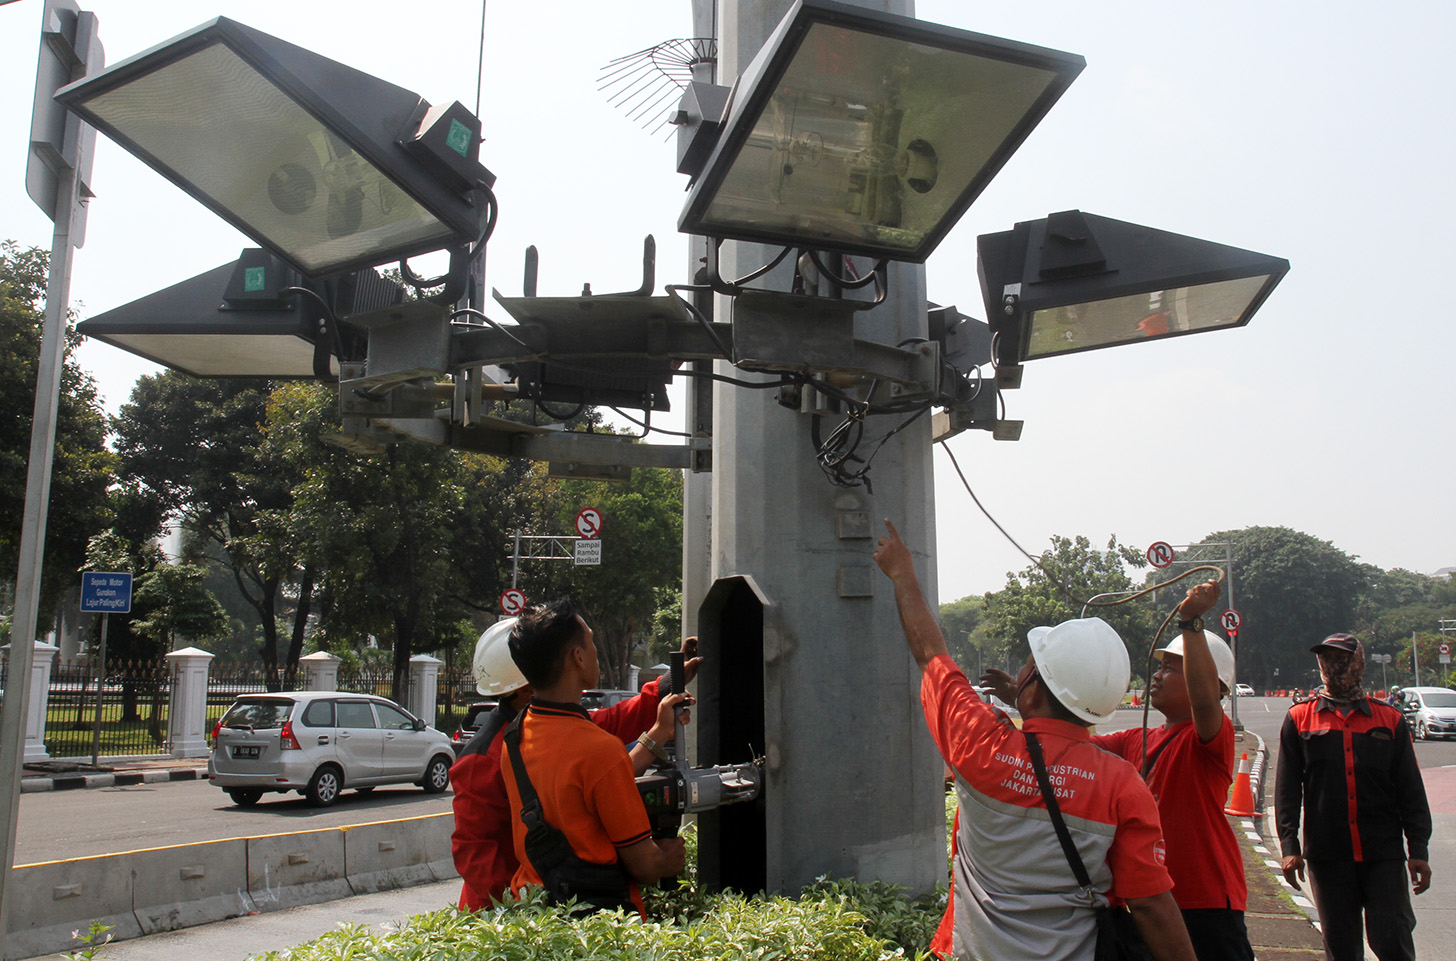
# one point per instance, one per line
(1348, 761)
(1013, 892)
(481, 843)
(1189, 767)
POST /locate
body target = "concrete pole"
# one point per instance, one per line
(843, 729)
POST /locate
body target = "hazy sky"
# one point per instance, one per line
(1321, 133)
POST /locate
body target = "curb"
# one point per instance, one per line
(1260, 769)
(70, 782)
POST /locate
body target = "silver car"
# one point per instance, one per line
(1430, 711)
(320, 742)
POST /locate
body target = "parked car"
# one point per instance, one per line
(470, 723)
(319, 743)
(592, 700)
(1243, 690)
(993, 700)
(1430, 711)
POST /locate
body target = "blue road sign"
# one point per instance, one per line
(103, 593)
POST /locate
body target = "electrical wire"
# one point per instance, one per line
(471, 311)
(647, 425)
(1093, 602)
(697, 315)
(838, 280)
(755, 274)
(333, 321)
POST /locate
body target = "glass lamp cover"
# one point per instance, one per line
(265, 160)
(1124, 320)
(870, 141)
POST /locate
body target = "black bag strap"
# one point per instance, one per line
(1033, 748)
(1152, 759)
(530, 801)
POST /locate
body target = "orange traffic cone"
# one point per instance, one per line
(1241, 803)
(1135, 701)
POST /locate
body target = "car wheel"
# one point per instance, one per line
(245, 797)
(437, 775)
(1421, 732)
(323, 788)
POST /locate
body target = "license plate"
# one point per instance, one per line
(247, 750)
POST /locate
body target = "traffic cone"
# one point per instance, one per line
(1241, 804)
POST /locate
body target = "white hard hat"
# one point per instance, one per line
(1223, 658)
(495, 672)
(1084, 664)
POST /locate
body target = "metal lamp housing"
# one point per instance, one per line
(308, 157)
(1073, 282)
(237, 320)
(868, 132)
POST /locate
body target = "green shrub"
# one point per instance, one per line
(830, 920)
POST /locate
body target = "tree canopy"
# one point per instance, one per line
(82, 468)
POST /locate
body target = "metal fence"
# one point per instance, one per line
(228, 679)
(135, 700)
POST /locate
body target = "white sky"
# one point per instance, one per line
(1317, 132)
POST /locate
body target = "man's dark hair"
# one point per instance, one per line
(541, 638)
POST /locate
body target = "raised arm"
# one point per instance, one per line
(922, 631)
(1199, 671)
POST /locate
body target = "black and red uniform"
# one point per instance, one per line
(1351, 770)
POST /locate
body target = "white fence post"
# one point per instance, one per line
(40, 693)
(320, 671)
(424, 686)
(187, 725)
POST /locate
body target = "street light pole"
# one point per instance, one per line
(829, 618)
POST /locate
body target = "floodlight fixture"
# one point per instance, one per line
(328, 167)
(869, 133)
(1075, 281)
(243, 319)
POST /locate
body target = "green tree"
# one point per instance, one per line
(1292, 589)
(81, 471)
(194, 448)
(376, 528)
(967, 634)
(1039, 595)
(178, 606)
(641, 560)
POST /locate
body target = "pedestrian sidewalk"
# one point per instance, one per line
(111, 772)
(1280, 928)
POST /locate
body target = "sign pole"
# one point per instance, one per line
(100, 687)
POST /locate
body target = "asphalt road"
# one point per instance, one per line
(57, 825)
(1436, 909)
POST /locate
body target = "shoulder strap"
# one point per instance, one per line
(1074, 860)
(529, 801)
(1151, 759)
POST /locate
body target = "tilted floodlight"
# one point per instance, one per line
(328, 167)
(239, 320)
(1076, 281)
(869, 133)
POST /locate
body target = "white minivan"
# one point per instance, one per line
(319, 743)
(1430, 711)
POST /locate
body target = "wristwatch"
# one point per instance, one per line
(1194, 625)
(653, 747)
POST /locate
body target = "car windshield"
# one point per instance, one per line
(259, 715)
(1440, 699)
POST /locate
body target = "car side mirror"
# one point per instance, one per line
(419, 724)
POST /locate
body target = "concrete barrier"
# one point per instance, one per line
(387, 855)
(161, 889)
(290, 869)
(437, 837)
(52, 899)
(177, 887)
